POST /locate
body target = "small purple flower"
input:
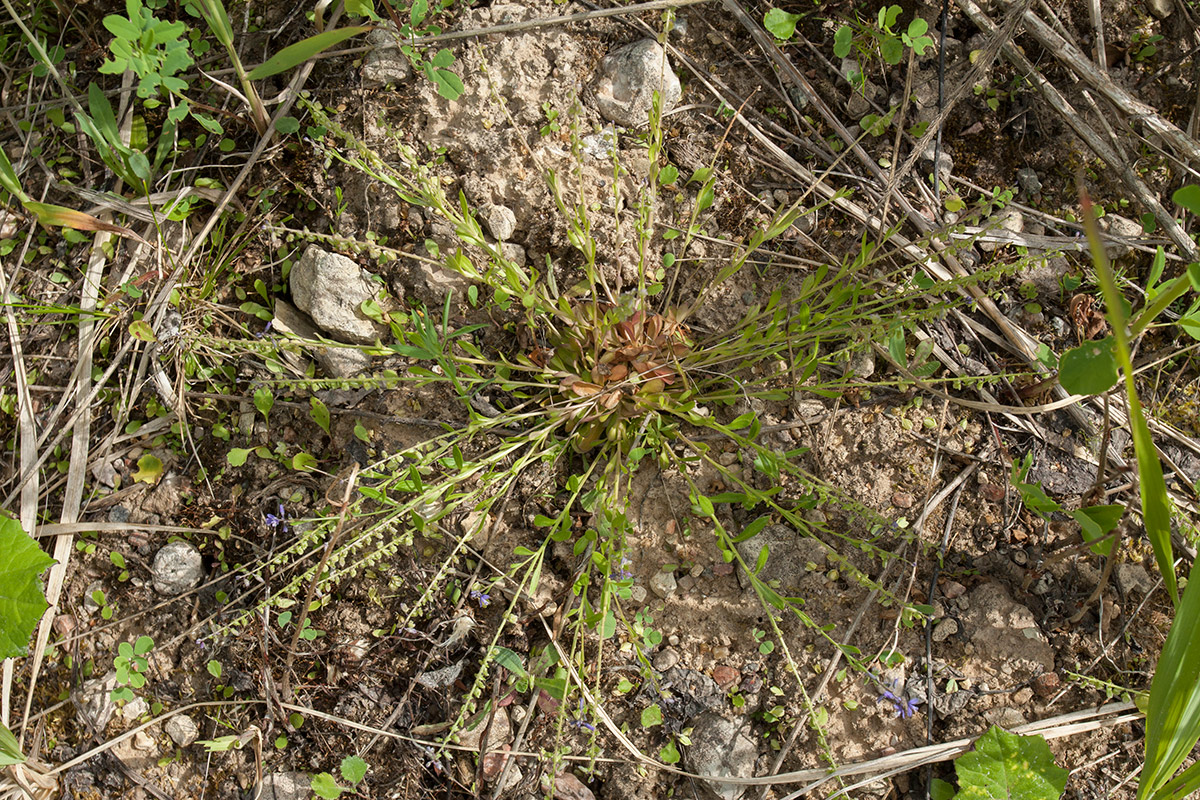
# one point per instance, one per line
(623, 574)
(581, 723)
(277, 522)
(264, 330)
(902, 707)
(480, 597)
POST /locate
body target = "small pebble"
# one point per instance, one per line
(902, 500)
(993, 492)
(1046, 684)
(182, 730)
(945, 629)
(725, 676)
(722, 569)
(720, 652)
(673, 640)
(751, 684)
(637, 593)
(665, 659)
(663, 584)
(952, 590)
(696, 571)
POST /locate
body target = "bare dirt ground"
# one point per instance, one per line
(1024, 625)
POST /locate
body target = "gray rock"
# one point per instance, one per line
(177, 568)
(1133, 578)
(721, 748)
(385, 65)
(663, 584)
(1008, 221)
(665, 659)
(1003, 634)
(945, 629)
(286, 786)
(135, 709)
(93, 702)
(1028, 180)
(514, 253)
(1161, 8)
(337, 362)
(601, 145)
(628, 78)
(500, 221)
(790, 555)
(330, 288)
(500, 732)
(1124, 227)
(182, 729)
(849, 69)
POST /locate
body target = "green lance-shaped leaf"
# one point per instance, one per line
(1173, 716)
(296, 54)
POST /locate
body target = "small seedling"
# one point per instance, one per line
(131, 666)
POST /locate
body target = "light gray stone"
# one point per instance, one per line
(330, 288)
(182, 729)
(93, 702)
(177, 568)
(286, 786)
(790, 555)
(665, 659)
(628, 78)
(1161, 8)
(1008, 221)
(1133, 578)
(1003, 633)
(385, 65)
(721, 748)
(135, 709)
(663, 584)
(1029, 181)
(500, 221)
(336, 362)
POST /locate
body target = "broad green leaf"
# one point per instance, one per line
(149, 469)
(21, 600)
(319, 413)
(669, 753)
(1096, 522)
(1173, 715)
(1005, 765)
(941, 790)
(1188, 197)
(353, 768)
(304, 462)
(237, 456)
(141, 330)
(264, 401)
(780, 23)
(652, 716)
(510, 661)
(842, 41)
(1090, 368)
(296, 54)
(323, 785)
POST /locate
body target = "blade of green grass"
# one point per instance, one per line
(1155, 507)
(1173, 716)
(296, 54)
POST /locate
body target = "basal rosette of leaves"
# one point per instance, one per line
(612, 366)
